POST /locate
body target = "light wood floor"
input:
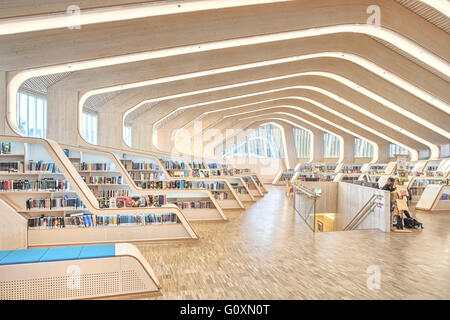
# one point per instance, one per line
(267, 252)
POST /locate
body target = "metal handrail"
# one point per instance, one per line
(365, 209)
(308, 192)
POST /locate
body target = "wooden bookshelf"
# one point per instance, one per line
(432, 198)
(52, 152)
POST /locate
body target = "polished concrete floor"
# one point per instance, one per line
(268, 252)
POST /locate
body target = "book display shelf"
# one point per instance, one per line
(431, 189)
(328, 171)
(304, 171)
(259, 183)
(349, 173)
(135, 181)
(62, 206)
(283, 177)
(416, 168)
(314, 171)
(435, 196)
(211, 169)
(221, 189)
(196, 202)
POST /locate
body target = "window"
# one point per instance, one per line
(240, 148)
(226, 152)
(263, 142)
(302, 143)
(396, 149)
(363, 148)
(32, 115)
(89, 128)
(331, 145)
(127, 135)
(274, 141)
(256, 144)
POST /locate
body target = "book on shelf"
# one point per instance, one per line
(204, 204)
(11, 166)
(103, 179)
(174, 165)
(94, 166)
(54, 203)
(42, 166)
(220, 195)
(210, 185)
(173, 184)
(132, 201)
(88, 220)
(34, 185)
(5, 148)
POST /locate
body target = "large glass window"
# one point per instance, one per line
(240, 148)
(256, 144)
(274, 141)
(331, 145)
(32, 115)
(302, 140)
(127, 135)
(363, 148)
(264, 142)
(89, 128)
(395, 149)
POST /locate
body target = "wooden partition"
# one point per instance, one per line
(13, 228)
(327, 203)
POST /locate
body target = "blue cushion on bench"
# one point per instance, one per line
(62, 253)
(98, 251)
(57, 254)
(4, 254)
(23, 256)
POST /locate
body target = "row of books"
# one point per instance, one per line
(132, 202)
(349, 178)
(94, 166)
(103, 180)
(42, 166)
(174, 165)
(34, 185)
(145, 176)
(213, 165)
(240, 190)
(179, 174)
(90, 220)
(11, 166)
(257, 181)
(220, 195)
(197, 165)
(54, 203)
(175, 184)
(144, 166)
(425, 182)
(194, 204)
(5, 148)
(351, 169)
(434, 174)
(112, 193)
(211, 185)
